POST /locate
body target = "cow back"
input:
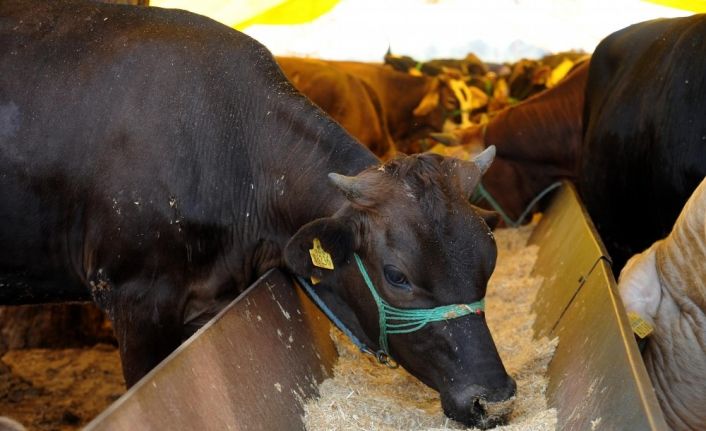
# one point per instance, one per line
(147, 138)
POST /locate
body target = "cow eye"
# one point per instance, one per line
(395, 277)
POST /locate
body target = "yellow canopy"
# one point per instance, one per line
(243, 13)
(698, 6)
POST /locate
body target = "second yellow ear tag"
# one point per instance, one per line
(319, 256)
(639, 326)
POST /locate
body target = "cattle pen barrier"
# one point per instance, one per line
(254, 365)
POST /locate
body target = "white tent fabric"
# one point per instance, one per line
(495, 30)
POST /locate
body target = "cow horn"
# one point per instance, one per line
(484, 159)
(470, 172)
(350, 186)
(445, 138)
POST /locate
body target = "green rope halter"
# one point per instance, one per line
(480, 194)
(410, 320)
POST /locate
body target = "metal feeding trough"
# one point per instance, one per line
(597, 379)
(249, 368)
(254, 365)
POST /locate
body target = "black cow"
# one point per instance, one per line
(159, 162)
(644, 149)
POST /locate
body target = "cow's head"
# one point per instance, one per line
(423, 246)
(449, 102)
(438, 102)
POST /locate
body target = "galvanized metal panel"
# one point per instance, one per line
(597, 375)
(568, 251)
(597, 379)
(250, 368)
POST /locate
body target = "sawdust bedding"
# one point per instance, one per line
(363, 395)
(59, 389)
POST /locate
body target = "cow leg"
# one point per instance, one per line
(147, 320)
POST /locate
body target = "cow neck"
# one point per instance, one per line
(280, 169)
(518, 136)
(321, 146)
(550, 120)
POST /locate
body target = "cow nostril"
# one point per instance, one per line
(481, 418)
(477, 406)
(492, 414)
(487, 414)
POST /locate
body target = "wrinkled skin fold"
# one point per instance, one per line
(666, 286)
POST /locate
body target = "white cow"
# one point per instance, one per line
(666, 286)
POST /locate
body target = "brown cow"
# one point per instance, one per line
(414, 106)
(372, 101)
(348, 99)
(537, 142)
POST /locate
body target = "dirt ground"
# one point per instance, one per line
(59, 389)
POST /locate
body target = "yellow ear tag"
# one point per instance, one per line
(319, 256)
(314, 281)
(639, 326)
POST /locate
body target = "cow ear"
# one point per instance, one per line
(430, 100)
(327, 237)
(491, 218)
